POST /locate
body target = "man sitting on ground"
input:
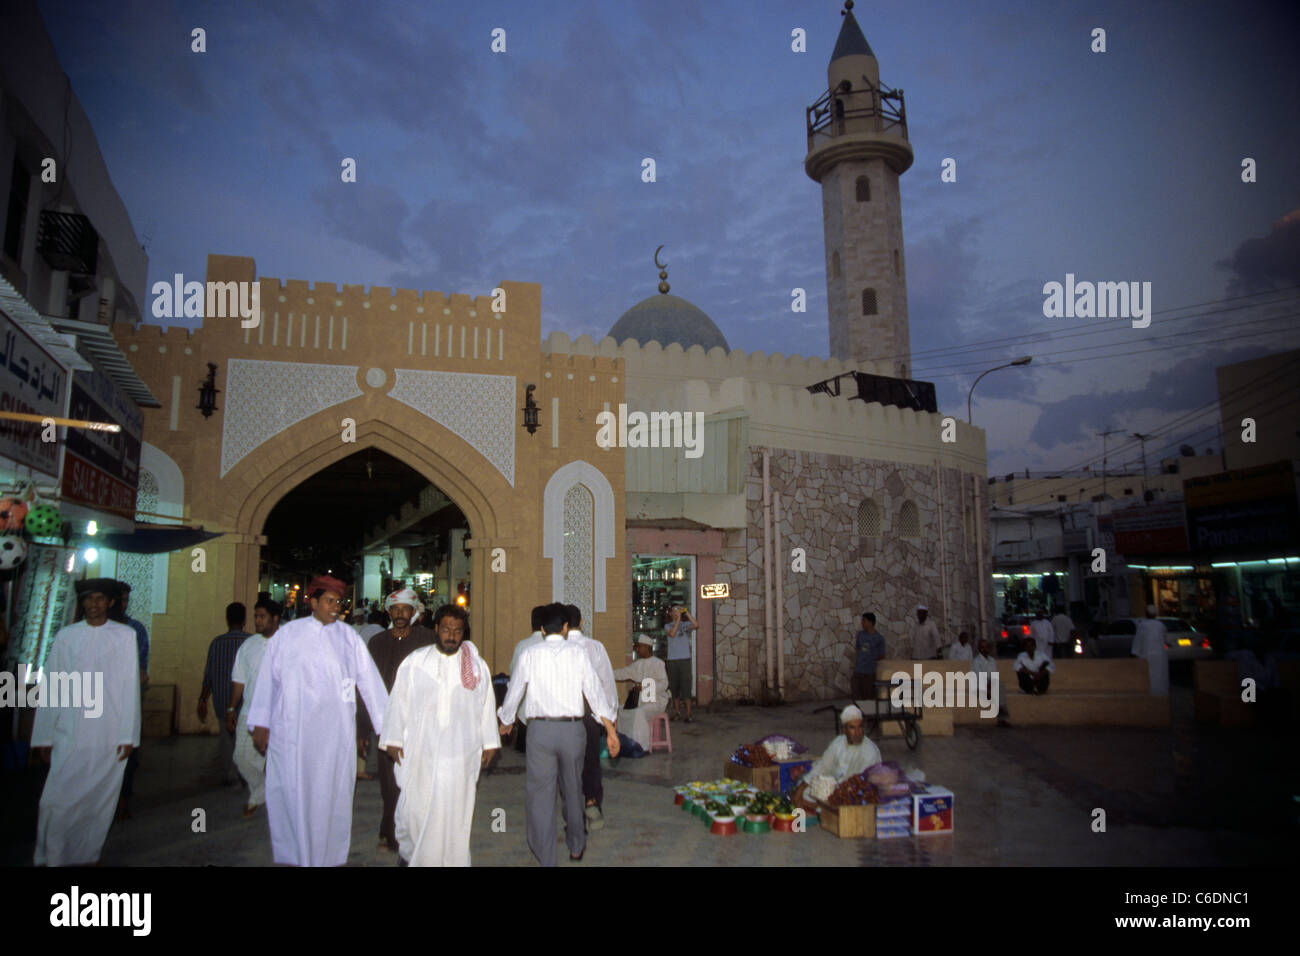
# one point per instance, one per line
(1034, 669)
(847, 756)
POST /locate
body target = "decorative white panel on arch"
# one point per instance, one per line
(263, 399)
(563, 513)
(579, 515)
(480, 409)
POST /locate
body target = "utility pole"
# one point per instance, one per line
(1143, 439)
(1104, 436)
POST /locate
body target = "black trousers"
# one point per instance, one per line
(128, 776)
(864, 686)
(592, 788)
(1035, 683)
(391, 791)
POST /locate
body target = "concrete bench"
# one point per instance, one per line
(1113, 692)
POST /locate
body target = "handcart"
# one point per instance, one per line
(882, 708)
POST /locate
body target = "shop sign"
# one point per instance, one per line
(1243, 512)
(1150, 529)
(44, 603)
(33, 383)
(102, 469)
(720, 590)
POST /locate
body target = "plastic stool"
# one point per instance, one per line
(658, 740)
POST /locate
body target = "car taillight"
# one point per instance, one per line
(1024, 629)
(1205, 643)
(1004, 632)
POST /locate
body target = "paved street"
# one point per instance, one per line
(1024, 797)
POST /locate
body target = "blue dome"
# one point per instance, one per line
(666, 318)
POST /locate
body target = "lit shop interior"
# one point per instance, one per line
(658, 582)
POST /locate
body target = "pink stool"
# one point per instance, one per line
(660, 737)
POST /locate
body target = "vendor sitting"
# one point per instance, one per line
(1034, 668)
(847, 756)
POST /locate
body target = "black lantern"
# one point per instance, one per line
(208, 392)
(530, 410)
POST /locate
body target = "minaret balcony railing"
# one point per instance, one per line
(838, 111)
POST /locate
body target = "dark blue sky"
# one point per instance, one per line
(474, 167)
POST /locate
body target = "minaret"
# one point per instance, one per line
(857, 149)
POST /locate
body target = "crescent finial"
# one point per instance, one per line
(658, 264)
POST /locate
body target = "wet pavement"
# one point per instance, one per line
(1179, 796)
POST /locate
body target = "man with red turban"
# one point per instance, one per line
(303, 716)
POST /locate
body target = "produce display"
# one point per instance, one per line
(726, 804)
(752, 755)
(781, 741)
(877, 784)
(820, 787)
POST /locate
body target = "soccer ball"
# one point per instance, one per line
(44, 521)
(12, 514)
(13, 550)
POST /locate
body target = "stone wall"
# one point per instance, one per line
(847, 573)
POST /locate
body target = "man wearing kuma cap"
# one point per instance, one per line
(926, 639)
(847, 756)
(389, 648)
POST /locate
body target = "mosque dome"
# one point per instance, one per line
(666, 318)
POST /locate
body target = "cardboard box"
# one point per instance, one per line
(782, 777)
(846, 822)
(932, 811)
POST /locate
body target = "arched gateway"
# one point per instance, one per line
(437, 382)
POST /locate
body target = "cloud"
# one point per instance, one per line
(372, 215)
(1270, 262)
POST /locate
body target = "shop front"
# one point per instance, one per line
(668, 567)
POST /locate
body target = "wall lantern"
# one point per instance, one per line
(208, 392)
(530, 410)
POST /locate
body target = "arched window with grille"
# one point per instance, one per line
(909, 521)
(863, 186)
(869, 519)
(868, 301)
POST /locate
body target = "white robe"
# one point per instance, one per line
(80, 795)
(637, 720)
(1149, 642)
(443, 729)
(842, 761)
(250, 764)
(306, 695)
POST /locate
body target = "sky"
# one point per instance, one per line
(475, 166)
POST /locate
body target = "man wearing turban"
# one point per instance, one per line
(389, 648)
(303, 716)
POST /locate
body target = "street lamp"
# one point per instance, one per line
(1023, 360)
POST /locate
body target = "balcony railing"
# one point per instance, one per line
(839, 111)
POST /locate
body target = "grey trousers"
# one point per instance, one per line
(556, 750)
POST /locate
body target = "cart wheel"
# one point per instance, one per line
(912, 734)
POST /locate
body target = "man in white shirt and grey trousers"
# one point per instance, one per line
(557, 676)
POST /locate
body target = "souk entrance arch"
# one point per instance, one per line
(489, 597)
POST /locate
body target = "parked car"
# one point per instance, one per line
(1114, 638)
(1015, 628)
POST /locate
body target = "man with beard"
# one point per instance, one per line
(847, 756)
(439, 731)
(303, 716)
(389, 649)
(86, 747)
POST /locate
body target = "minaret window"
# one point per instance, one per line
(835, 265)
(864, 189)
(868, 301)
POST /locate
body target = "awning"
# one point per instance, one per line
(154, 539)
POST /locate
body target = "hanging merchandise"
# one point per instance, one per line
(44, 521)
(12, 514)
(12, 551)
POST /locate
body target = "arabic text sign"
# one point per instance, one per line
(720, 590)
(34, 383)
